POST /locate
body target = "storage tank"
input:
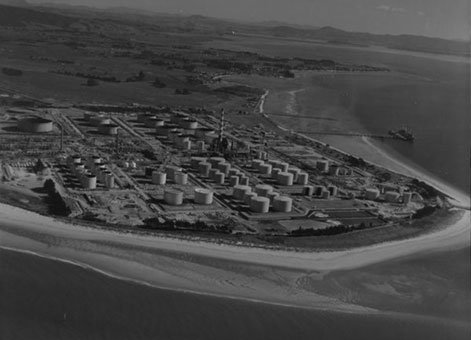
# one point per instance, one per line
(284, 167)
(76, 159)
(203, 168)
(154, 122)
(325, 194)
(256, 164)
(275, 172)
(181, 178)
(99, 120)
(216, 160)
(239, 191)
(200, 146)
(332, 190)
(189, 124)
(322, 165)
(186, 146)
(203, 196)
(201, 132)
(210, 137)
(276, 164)
(295, 172)
(244, 180)
(35, 124)
(219, 178)
(272, 195)
(407, 197)
(195, 161)
(213, 172)
(285, 178)
(108, 129)
(282, 204)
(234, 172)
(89, 182)
(303, 178)
(248, 197)
(372, 194)
(173, 197)
(159, 177)
(391, 196)
(263, 189)
(308, 190)
(265, 169)
(318, 189)
(233, 181)
(109, 180)
(224, 168)
(170, 170)
(260, 205)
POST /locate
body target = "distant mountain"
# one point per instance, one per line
(63, 15)
(21, 16)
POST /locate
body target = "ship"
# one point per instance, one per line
(404, 133)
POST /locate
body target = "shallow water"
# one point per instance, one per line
(46, 299)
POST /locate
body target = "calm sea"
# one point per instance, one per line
(46, 299)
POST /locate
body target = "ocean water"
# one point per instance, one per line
(46, 299)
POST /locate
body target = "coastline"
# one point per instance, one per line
(182, 265)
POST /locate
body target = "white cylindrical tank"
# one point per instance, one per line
(200, 146)
(239, 191)
(391, 196)
(295, 172)
(233, 172)
(325, 194)
(109, 180)
(265, 169)
(219, 178)
(159, 178)
(173, 197)
(204, 168)
(181, 178)
(308, 190)
(171, 170)
(284, 167)
(233, 181)
(407, 197)
(332, 190)
(272, 195)
(186, 145)
(322, 165)
(285, 178)
(203, 196)
(275, 172)
(263, 189)
(282, 204)
(243, 180)
(224, 168)
(213, 172)
(194, 161)
(89, 182)
(189, 124)
(303, 178)
(216, 160)
(260, 205)
(372, 194)
(256, 164)
(248, 197)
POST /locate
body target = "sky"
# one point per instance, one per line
(439, 18)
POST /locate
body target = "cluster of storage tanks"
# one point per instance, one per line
(91, 172)
(218, 170)
(389, 194)
(282, 172)
(102, 123)
(175, 197)
(261, 198)
(182, 131)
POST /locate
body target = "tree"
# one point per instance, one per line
(49, 185)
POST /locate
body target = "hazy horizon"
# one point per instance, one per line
(435, 18)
